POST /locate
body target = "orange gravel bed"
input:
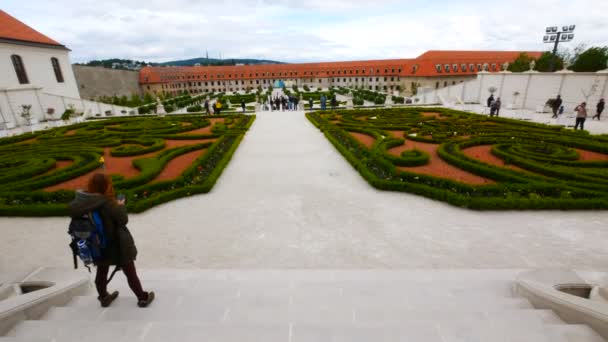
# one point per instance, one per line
(363, 138)
(122, 165)
(437, 167)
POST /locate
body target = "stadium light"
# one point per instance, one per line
(554, 36)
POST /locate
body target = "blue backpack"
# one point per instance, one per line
(88, 238)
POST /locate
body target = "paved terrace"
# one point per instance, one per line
(289, 200)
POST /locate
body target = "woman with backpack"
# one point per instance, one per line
(119, 248)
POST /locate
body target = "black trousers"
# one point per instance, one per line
(101, 280)
(580, 121)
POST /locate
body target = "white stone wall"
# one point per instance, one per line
(37, 62)
(11, 102)
(534, 89)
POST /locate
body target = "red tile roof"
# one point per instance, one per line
(13, 29)
(423, 66)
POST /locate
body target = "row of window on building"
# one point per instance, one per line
(464, 68)
(257, 82)
(280, 74)
(22, 74)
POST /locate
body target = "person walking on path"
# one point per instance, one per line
(310, 103)
(218, 107)
(581, 115)
(555, 106)
(103, 163)
(120, 248)
(495, 107)
(599, 109)
(243, 105)
(490, 100)
(206, 106)
(334, 102)
(296, 101)
(323, 102)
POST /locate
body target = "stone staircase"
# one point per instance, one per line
(308, 306)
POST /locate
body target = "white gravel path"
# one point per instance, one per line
(289, 200)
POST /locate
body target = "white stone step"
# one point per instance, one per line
(575, 332)
(191, 332)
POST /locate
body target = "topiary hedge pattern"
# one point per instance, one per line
(28, 163)
(540, 168)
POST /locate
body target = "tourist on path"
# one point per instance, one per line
(323, 102)
(206, 106)
(296, 100)
(555, 106)
(599, 109)
(334, 102)
(217, 107)
(495, 107)
(490, 100)
(243, 105)
(310, 103)
(581, 115)
(120, 249)
(103, 163)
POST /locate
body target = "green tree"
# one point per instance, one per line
(521, 63)
(148, 98)
(135, 100)
(544, 62)
(593, 59)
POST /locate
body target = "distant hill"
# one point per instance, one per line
(127, 64)
(214, 61)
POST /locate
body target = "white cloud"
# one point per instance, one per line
(313, 30)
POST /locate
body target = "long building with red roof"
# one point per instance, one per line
(431, 69)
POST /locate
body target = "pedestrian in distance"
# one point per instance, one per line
(310, 103)
(555, 106)
(323, 102)
(103, 163)
(206, 107)
(490, 100)
(119, 247)
(243, 105)
(218, 107)
(581, 115)
(495, 107)
(334, 102)
(599, 109)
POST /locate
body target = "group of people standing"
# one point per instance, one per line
(494, 105)
(216, 107)
(557, 109)
(283, 103)
(581, 111)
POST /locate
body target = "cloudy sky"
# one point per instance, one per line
(304, 30)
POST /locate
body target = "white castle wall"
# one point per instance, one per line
(12, 100)
(534, 89)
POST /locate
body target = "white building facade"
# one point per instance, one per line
(37, 73)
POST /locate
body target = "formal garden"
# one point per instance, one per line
(152, 160)
(470, 160)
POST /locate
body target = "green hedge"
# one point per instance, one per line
(27, 165)
(553, 177)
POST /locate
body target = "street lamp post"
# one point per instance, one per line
(554, 36)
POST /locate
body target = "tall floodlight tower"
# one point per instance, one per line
(554, 36)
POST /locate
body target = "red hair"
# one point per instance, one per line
(101, 184)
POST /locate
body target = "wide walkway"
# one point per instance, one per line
(289, 200)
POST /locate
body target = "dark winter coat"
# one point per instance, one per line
(600, 106)
(557, 103)
(120, 248)
(490, 100)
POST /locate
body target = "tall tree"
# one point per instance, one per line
(593, 59)
(521, 63)
(544, 62)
